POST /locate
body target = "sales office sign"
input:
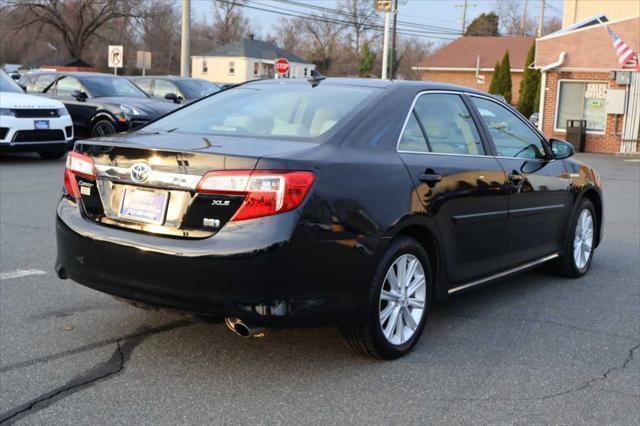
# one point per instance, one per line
(596, 91)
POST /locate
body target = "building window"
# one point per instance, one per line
(232, 67)
(205, 68)
(306, 72)
(256, 68)
(582, 101)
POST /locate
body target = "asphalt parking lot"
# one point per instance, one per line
(533, 349)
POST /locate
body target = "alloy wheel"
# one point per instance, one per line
(403, 299)
(583, 240)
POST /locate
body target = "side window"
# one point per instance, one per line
(412, 138)
(511, 136)
(40, 83)
(66, 85)
(162, 87)
(144, 84)
(448, 125)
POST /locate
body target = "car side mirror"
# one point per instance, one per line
(79, 95)
(561, 149)
(173, 97)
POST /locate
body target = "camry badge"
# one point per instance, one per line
(140, 172)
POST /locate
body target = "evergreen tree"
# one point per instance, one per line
(505, 79)
(366, 61)
(485, 24)
(495, 79)
(529, 98)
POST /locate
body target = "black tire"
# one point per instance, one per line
(53, 154)
(566, 265)
(102, 127)
(368, 338)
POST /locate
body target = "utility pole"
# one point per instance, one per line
(464, 16)
(523, 23)
(393, 41)
(385, 47)
(465, 4)
(185, 55)
(541, 19)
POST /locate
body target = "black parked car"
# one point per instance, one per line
(176, 89)
(99, 104)
(354, 203)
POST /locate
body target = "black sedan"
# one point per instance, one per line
(99, 104)
(176, 89)
(345, 202)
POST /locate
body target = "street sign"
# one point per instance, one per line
(382, 5)
(143, 61)
(116, 57)
(282, 66)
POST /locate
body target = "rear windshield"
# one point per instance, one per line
(295, 110)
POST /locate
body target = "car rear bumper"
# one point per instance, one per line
(277, 277)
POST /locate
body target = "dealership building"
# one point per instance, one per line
(583, 81)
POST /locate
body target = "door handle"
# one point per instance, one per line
(430, 177)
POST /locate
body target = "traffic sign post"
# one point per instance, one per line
(282, 66)
(116, 57)
(143, 61)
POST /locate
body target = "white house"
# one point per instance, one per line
(247, 59)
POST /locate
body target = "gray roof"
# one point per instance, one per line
(258, 49)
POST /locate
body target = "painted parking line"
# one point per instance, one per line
(20, 273)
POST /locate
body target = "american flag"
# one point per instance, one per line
(627, 57)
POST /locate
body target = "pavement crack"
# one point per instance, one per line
(101, 371)
(141, 332)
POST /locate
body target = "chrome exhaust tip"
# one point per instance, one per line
(237, 326)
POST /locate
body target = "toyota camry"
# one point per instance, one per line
(330, 202)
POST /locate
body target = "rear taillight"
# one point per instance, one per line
(266, 192)
(77, 165)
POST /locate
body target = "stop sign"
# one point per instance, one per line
(282, 66)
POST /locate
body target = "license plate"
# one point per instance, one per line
(40, 124)
(144, 205)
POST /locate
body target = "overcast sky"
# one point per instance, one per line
(440, 13)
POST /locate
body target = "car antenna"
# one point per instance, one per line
(315, 78)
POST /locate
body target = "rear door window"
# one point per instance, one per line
(441, 123)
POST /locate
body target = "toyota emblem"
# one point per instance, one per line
(140, 172)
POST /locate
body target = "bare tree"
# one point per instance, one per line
(359, 14)
(229, 22)
(76, 22)
(510, 13)
(323, 35)
(160, 35)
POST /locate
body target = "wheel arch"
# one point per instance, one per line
(596, 199)
(100, 115)
(429, 241)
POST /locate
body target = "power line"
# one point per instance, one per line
(287, 12)
(375, 17)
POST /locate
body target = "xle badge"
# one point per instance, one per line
(220, 203)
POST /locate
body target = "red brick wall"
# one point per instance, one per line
(468, 78)
(607, 142)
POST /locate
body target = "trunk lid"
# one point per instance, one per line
(163, 170)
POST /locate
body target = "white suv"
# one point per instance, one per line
(32, 123)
